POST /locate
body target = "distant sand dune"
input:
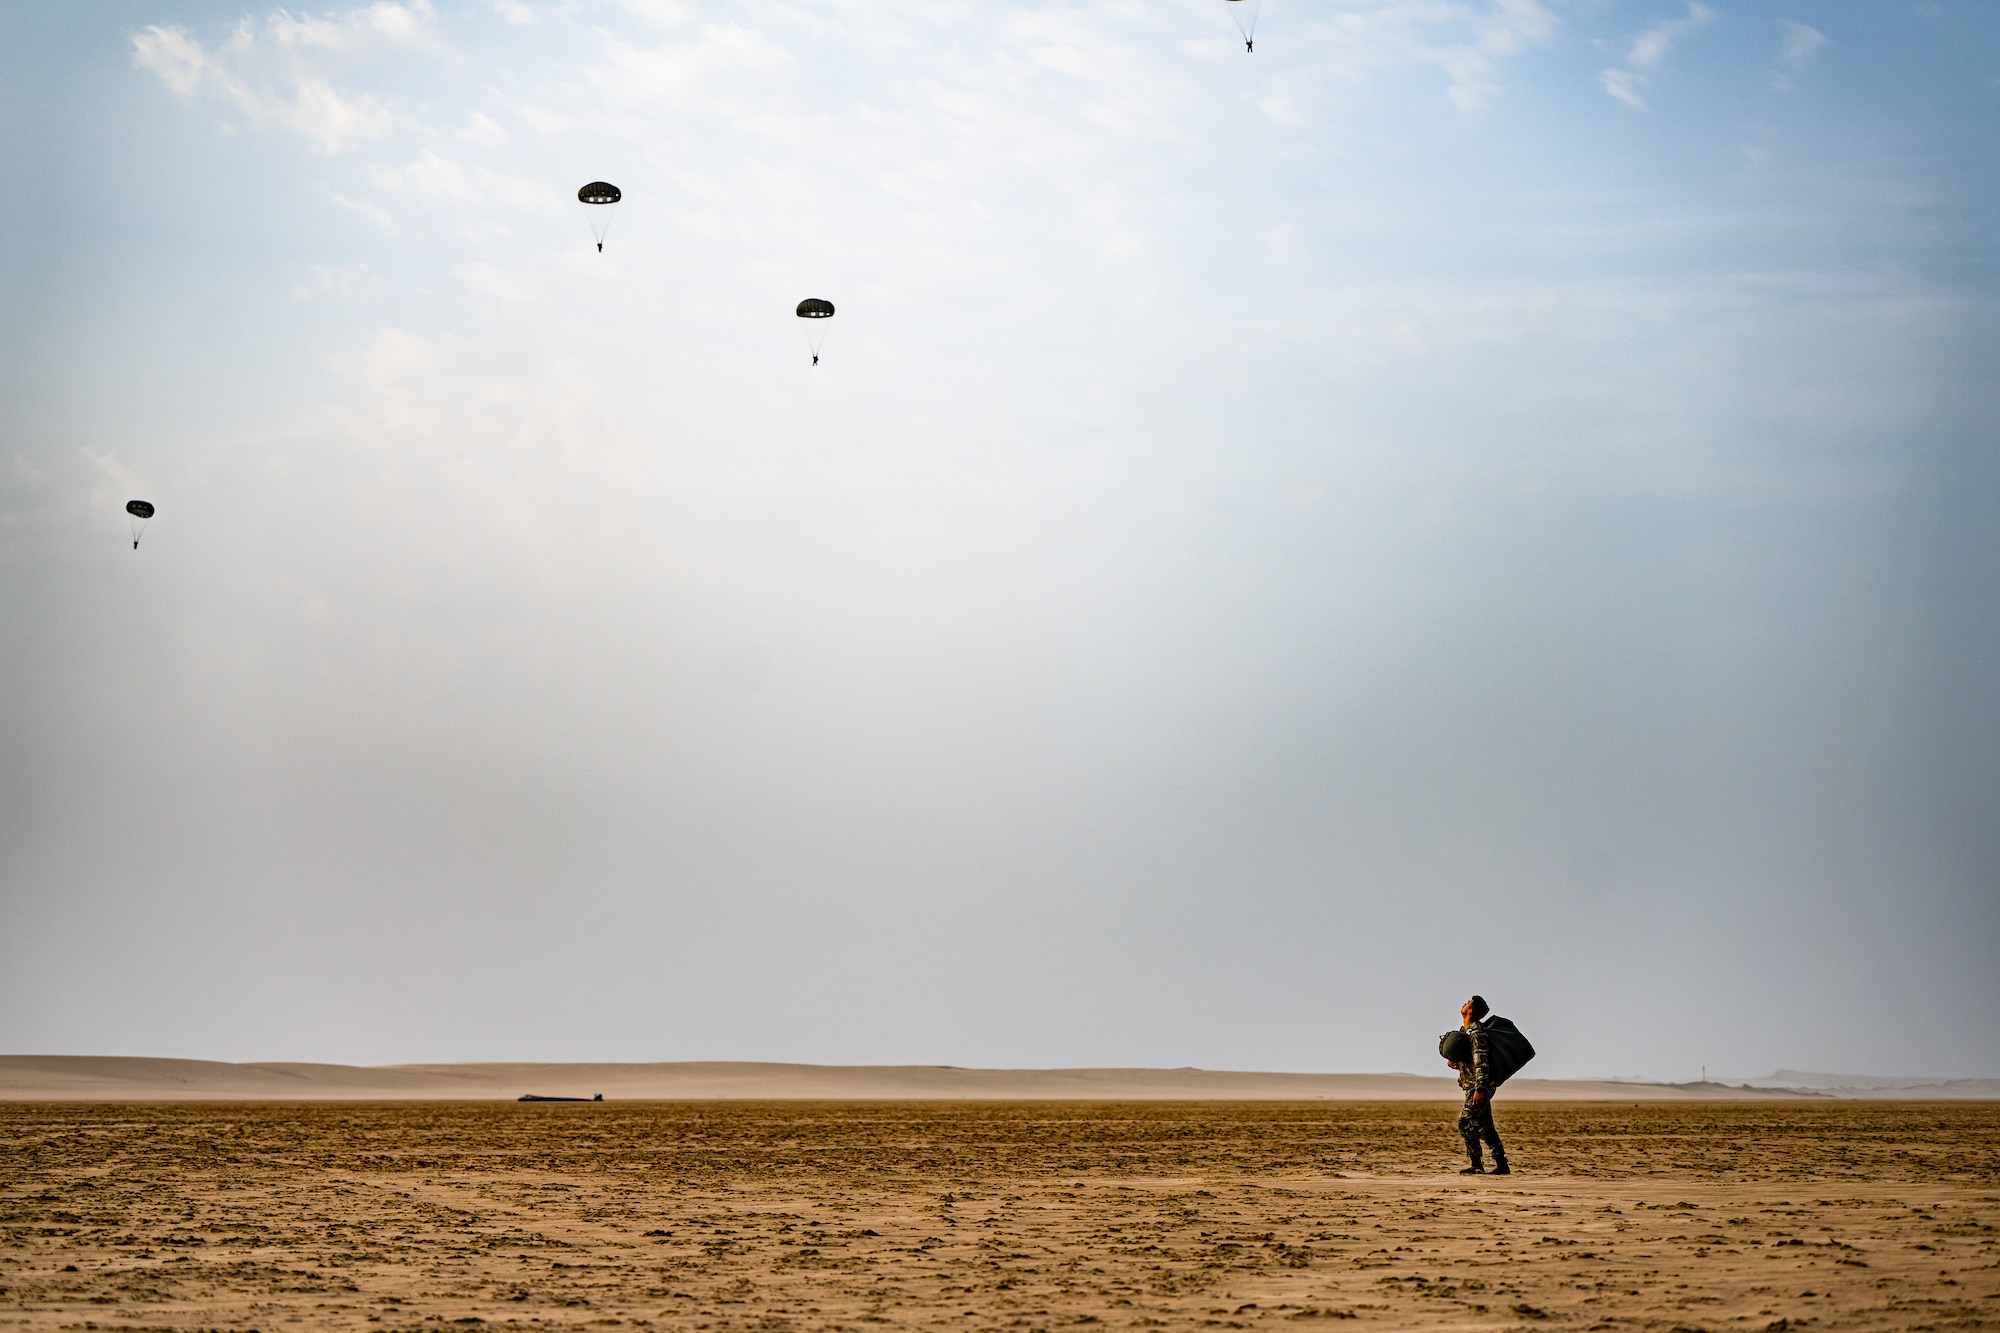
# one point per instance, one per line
(124, 1078)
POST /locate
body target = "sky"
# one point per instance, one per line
(1475, 495)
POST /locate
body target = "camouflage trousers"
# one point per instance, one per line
(1475, 1122)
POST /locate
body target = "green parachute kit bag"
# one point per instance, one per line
(1507, 1047)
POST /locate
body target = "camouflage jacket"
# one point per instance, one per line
(1478, 1075)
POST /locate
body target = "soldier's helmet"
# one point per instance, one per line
(1455, 1045)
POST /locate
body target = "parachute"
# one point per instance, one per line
(600, 201)
(1506, 1048)
(1510, 1048)
(1245, 14)
(137, 512)
(813, 310)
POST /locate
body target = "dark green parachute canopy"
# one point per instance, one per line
(1455, 1045)
(600, 192)
(814, 308)
(139, 508)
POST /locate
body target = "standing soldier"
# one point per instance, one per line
(1476, 1076)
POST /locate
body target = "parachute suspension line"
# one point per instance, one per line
(1245, 14)
(599, 218)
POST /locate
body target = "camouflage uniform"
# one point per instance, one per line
(1475, 1122)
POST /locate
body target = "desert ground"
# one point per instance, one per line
(996, 1215)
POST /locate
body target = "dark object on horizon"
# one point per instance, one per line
(140, 511)
(1456, 1047)
(603, 197)
(1510, 1048)
(537, 1097)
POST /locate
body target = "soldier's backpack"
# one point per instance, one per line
(1507, 1048)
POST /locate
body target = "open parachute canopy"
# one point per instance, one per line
(600, 201)
(814, 308)
(137, 512)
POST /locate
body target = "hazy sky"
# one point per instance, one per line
(1478, 494)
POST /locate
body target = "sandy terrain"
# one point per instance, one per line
(803, 1216)
(107, 1078)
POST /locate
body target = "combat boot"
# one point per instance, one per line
(1476, 1169)
(1500, 1167)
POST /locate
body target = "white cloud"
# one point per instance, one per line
(367, 30)
(339, 282)
(1624, 85)
(725, 69)
(1649, 51)
(281, 73)
(119, 479)
(1799, 45)
(332, 120)
(1063, 94)
(366, 208)
(1348, 43)
(1796, 49)
(177, 58)
(483, 130)
(1652, 46)
(494, 284)
(429, 179)
(663, 13)
(1503, 31)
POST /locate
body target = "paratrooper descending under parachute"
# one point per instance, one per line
(814, 312)
(600, 201)
(137, 512)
